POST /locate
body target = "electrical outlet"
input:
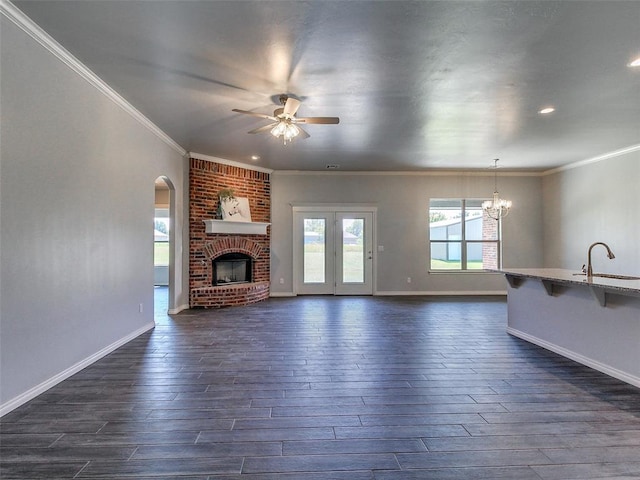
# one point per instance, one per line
(282, 281)
(408, 279)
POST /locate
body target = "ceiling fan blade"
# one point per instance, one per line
(254, 114)
(264, 128)
(320, 120)
(303, 134)
(291, 106)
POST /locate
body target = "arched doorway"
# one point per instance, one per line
(164, 238)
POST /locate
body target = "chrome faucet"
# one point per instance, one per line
(609, 254)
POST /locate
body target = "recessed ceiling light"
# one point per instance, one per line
(634, 63)
(255, 157)
(547, 110)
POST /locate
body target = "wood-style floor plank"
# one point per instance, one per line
(342, 388)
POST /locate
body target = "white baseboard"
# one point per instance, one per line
(175, 311)
(446, 293)
(391, 293)
(53, 381)
(589, 362)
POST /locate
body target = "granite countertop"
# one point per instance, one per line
(574, 277)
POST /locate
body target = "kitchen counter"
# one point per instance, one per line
(599, 286)
(594, 321)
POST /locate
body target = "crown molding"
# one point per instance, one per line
(22, 21)
(589, 161)
(409, 173)
(223, 161)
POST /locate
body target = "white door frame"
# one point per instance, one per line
(354, 208)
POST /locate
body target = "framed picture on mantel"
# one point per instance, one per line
(235, 209)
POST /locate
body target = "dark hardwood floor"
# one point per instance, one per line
(318, 388)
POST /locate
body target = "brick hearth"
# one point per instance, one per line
(229, 295)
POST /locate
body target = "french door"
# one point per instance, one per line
(333, 251)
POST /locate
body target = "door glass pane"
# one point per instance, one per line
(314, 250)
(352, 250)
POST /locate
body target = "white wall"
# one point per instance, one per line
(76, 216)
(402, 224)
(595, 202)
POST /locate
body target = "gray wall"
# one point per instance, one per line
(595, 202)
(402, 223)
(76, 217)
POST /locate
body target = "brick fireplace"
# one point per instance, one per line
(206, 179)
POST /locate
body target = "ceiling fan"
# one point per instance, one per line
(285, 123)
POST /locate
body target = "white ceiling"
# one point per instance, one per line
(417, 84)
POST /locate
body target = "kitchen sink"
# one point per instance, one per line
(617, 277)
(611, 275)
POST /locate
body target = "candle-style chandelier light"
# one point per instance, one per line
(497, 207)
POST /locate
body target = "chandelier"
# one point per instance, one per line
(497, 207)
(286, 129)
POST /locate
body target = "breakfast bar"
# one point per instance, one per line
(593, 320)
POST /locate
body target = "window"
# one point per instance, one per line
(161, 237)
(472, 244)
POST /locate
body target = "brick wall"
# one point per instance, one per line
(489, 250)
(206, 179)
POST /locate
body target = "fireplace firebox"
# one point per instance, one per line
(231, 268)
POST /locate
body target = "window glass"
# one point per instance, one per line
(446, 256)
(161, 237)
(461, 236)
(473, 220)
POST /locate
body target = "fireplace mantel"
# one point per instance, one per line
(236, 228)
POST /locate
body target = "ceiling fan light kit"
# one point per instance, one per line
(285, 121)
(285, 129)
